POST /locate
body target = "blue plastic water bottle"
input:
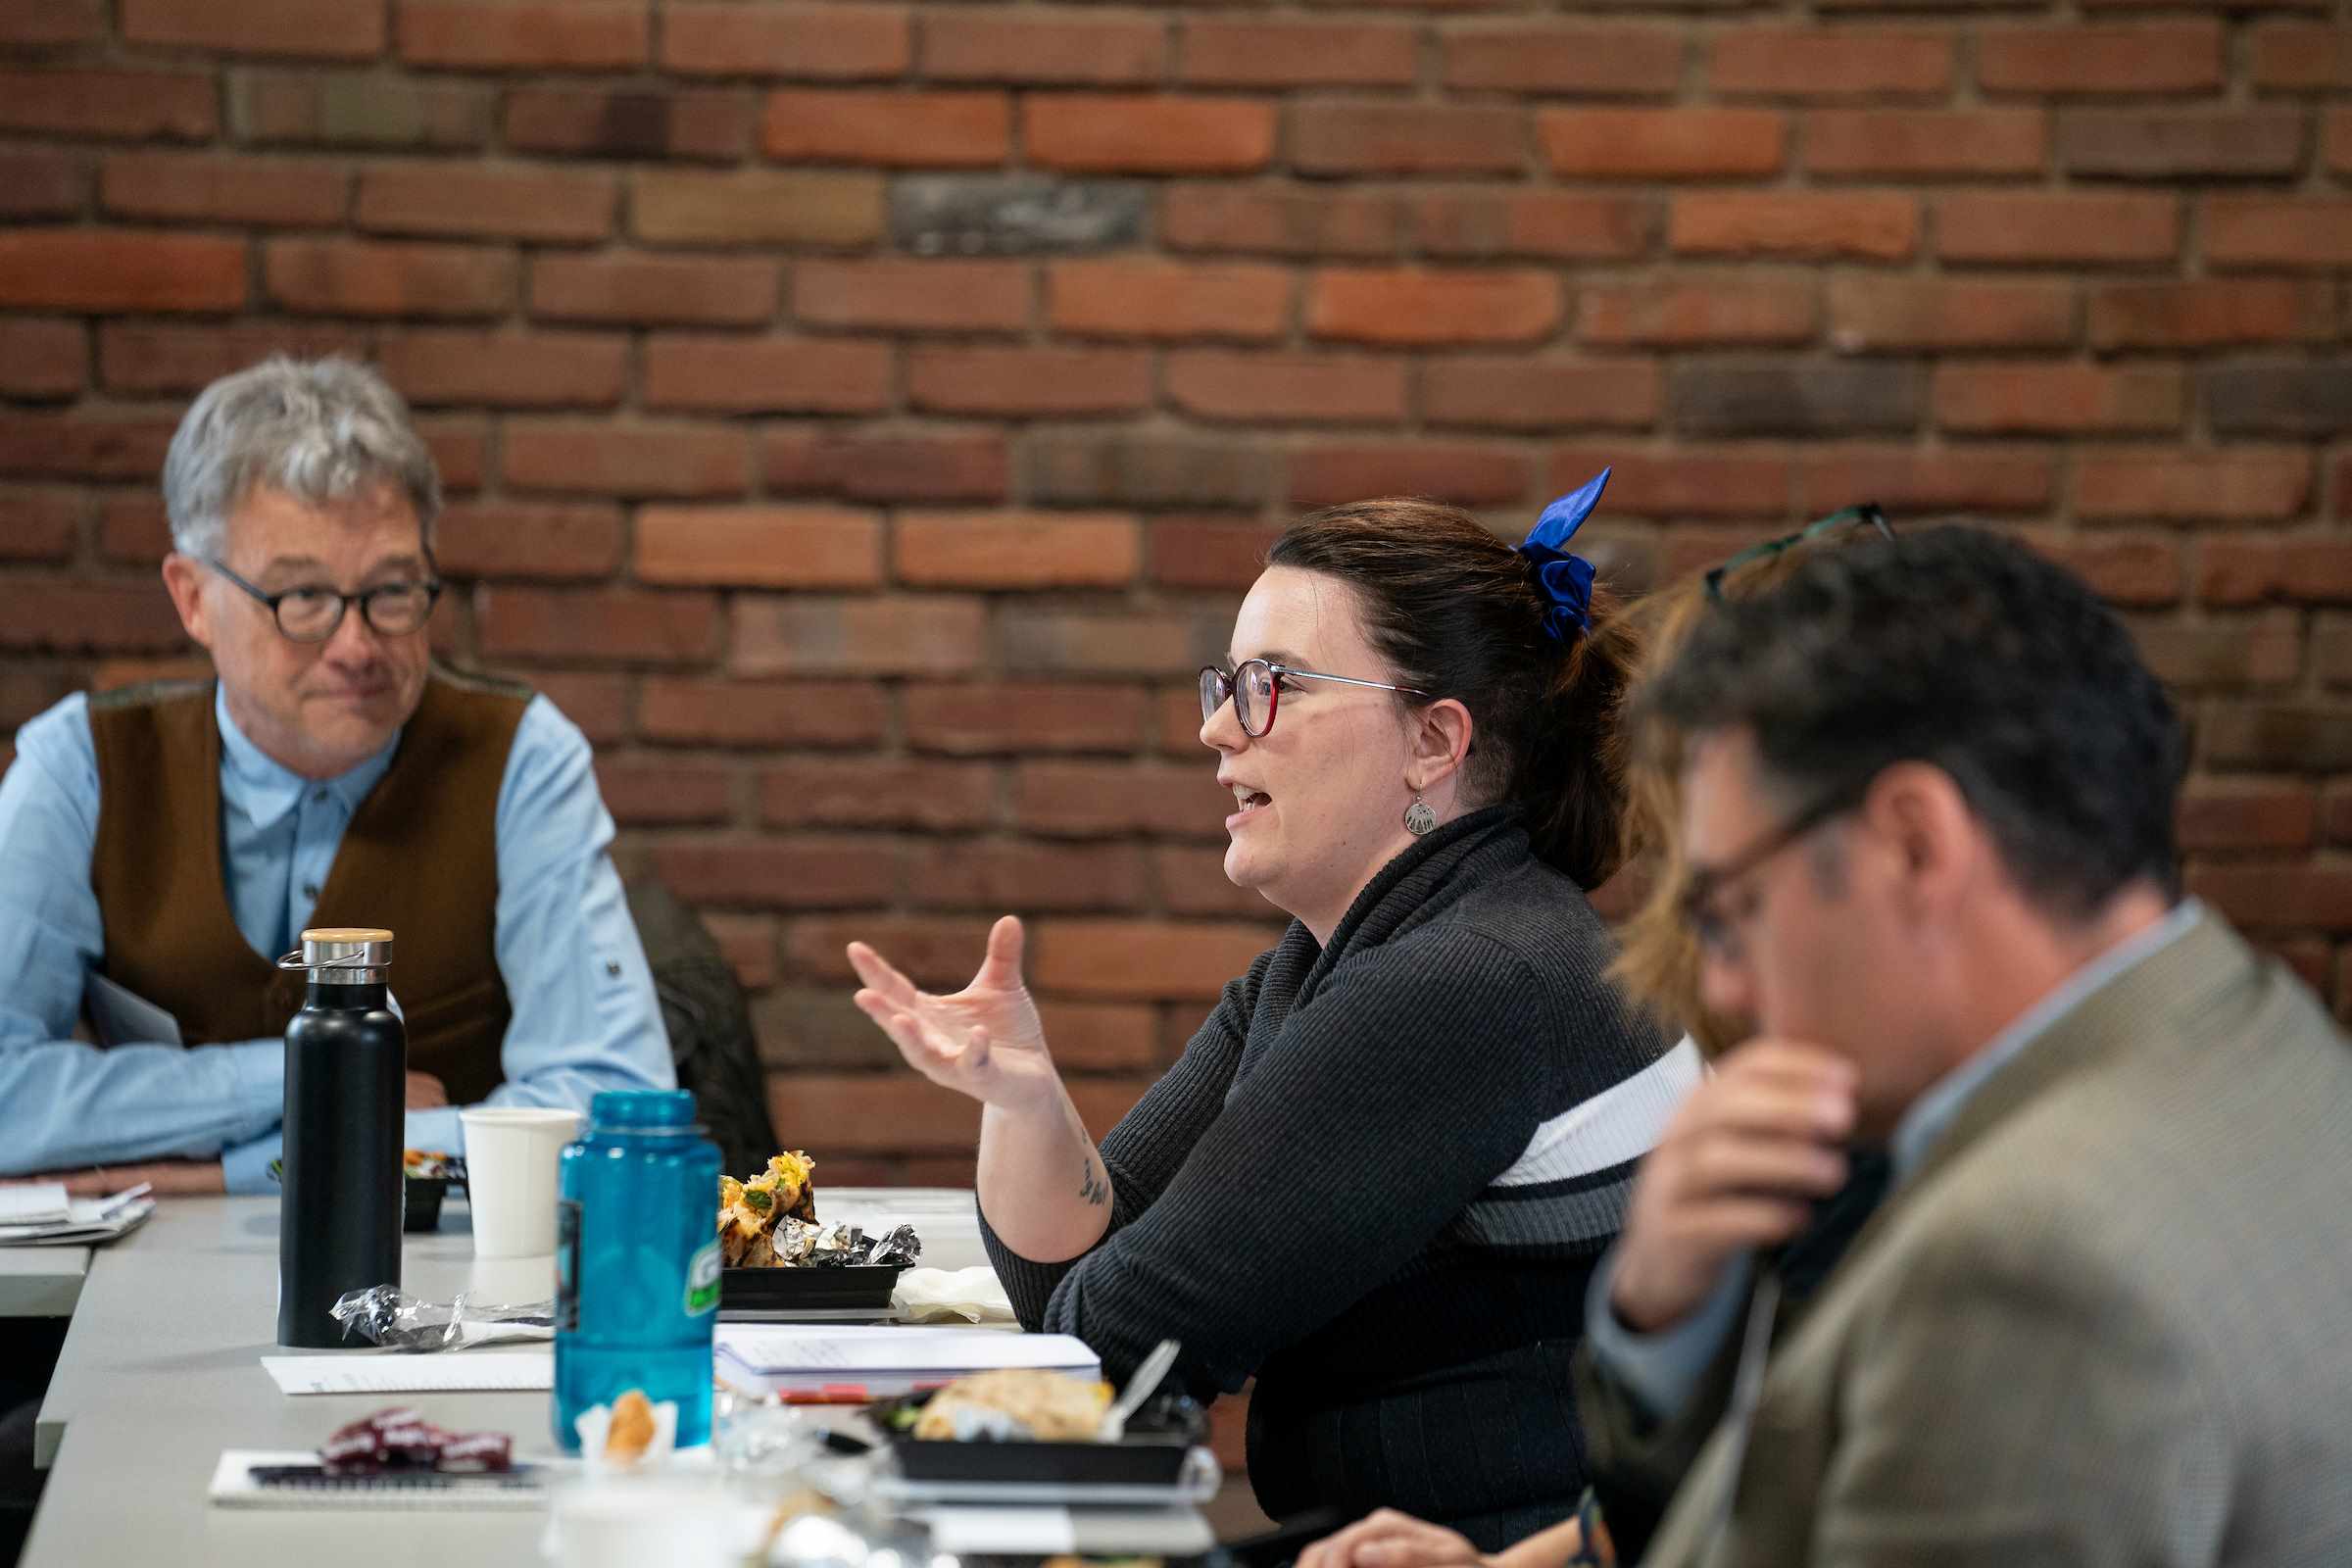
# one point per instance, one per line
(637, 1264)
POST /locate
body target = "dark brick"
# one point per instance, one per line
(2279, 737)
(41, 183)
(710, 126)
(357, 108)
(886, 467)
(1559, 224)
(1797, 397)
(2265, 649)
(1062, 469)
(2152, 145)
(2292, 398)
(1469, 475)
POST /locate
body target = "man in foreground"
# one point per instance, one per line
(2099, 1316)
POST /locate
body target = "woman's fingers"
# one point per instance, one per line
(1443, 1549)
(1001, 970)
(1409, 1542)
(878, 975)
(1346, 1548)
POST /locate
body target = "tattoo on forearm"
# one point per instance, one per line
(1093, 1186)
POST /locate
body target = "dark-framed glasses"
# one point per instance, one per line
(311, 615)
(1255, 686)
(1702, 896)
(1865, 515)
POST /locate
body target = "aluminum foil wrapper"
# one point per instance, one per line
(901, 1246)
(388, 1315)
(840, 1245)
(400, 1439)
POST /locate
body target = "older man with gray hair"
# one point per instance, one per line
(160, 847)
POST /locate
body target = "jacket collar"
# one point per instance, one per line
(2147, 1000)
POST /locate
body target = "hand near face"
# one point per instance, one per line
(426, 1091)
(985, 1041)
(1737, 1168)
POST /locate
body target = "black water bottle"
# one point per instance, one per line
(347, 1064)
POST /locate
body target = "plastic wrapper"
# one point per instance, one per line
(388, 1315)
(400, 1439)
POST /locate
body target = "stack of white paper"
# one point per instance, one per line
(467, 1371)
(33, 1204)
(877, 1362)
(44, 1216)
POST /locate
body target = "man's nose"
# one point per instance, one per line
(353, 641)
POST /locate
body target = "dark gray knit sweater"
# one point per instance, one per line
(1377, 1180)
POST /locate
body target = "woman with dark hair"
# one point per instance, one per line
(1379, 1176)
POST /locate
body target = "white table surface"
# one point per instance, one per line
(162, 1370)
(41, 1281)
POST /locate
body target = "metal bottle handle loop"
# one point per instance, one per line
(294, 962)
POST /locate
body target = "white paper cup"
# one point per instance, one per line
(649, 1520)
(510, 1160)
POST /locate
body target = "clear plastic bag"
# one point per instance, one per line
(388, 1315)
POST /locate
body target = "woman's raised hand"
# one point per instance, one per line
(985, 1041)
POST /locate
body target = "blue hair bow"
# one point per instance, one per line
(1566, 579)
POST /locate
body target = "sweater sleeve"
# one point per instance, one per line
(1387, 1104)
(1147, 1146)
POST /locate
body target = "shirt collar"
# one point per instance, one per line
(265, 790)
(1933, 1112)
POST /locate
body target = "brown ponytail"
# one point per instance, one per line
(1457, 613)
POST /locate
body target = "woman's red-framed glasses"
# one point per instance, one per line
(1255, 686)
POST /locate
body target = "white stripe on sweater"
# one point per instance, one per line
(1618, 1124)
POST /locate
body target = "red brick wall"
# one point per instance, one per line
(870, 511)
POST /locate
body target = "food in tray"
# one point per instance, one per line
(769, 1221)
(751, 1213)
(431, 1164)
(1017, 1405)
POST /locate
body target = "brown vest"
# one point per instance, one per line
(419, 855)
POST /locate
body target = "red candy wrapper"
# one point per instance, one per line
(400, 1439)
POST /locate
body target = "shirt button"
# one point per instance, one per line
(319, 799)
(309, 889)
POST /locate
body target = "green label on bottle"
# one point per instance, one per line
(701, 1281)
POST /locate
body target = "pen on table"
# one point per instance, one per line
(830, 1394)
(106, 1210)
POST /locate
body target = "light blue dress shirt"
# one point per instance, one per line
(585, 1017)
(1662, 1369)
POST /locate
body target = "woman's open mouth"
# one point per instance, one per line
(1250, 802)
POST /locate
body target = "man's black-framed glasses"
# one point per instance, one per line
(1865, 515)
(1704, 886)
(1255, 686)
(311, 615)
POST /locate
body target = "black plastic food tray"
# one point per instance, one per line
(1153, 1453)
(810, 1289)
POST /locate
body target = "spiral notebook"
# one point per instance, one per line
(448, 1372)
(849, 1363)
(249, 1478)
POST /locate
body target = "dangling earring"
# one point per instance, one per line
(1418, 818)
